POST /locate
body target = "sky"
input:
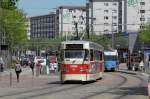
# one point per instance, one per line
(41, 7)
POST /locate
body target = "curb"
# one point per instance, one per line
(144, 74)
(133, 73)
(128, 72)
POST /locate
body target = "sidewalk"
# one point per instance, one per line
(27, 80)
(24, 71)
(123, 68)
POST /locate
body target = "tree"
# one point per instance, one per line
(8, 4)
(13, 22)
(145, 33)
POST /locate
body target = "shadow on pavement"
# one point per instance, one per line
(71, 82)
(124, 91)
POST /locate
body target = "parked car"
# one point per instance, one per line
(41, 59)
(24, 61)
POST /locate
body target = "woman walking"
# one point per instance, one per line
(18, 70)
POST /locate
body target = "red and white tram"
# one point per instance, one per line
(81, 61)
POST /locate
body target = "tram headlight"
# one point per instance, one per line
(83, 70)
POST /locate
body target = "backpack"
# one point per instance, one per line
(18, 68)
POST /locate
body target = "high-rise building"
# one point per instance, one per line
(115, 16)
(71, 20)
(28, 28)
(43, 26)
(138, 14)
(105, 16)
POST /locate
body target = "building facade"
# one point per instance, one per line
(43, 26)
(28, 29)
(138, 14)
(105, 16)
(71, 20)
(116, 16)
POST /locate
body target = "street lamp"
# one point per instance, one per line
(112, 31)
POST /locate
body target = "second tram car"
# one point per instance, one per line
(111, 60)
(81, 61)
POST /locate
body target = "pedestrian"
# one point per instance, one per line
(31, 64)
(1, 64)
(141, 65)
(38, 68)
(18, 69)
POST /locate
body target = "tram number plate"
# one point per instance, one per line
(74, 66)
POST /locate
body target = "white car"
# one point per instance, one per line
(41, 59)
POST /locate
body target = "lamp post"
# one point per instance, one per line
(112, 32)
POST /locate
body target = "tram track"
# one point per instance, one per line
(58, 88)
(109, 89)
(27, 91)
(65, 89)
(116, 87)
(47, 90)
(139, 85)
(43, 91)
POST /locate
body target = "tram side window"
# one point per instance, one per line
(101, 55)
(91, 55)
(96, 55)
(86, 57)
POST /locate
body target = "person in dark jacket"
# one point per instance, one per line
(18, 69)
(31, 64)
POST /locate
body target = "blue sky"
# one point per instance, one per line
(40, 7)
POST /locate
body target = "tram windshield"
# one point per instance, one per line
(110, 58)
(75, 54)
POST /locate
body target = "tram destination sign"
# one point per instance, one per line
(74, 46)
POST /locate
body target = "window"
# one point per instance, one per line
(142, 11)
(106, 24)
(142, 26)
(106, 30)
(114, 24)
(114, 11)
(114, 17)
(106, 4)
(106, 17)
(114, 4)
(91, 55)
(105, 11)
(142, 19)
(96, 55)
(142, 3)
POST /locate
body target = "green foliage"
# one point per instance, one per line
(42, 43)
(8, 4)
(145, 33)
(13, 23)
(14, 26)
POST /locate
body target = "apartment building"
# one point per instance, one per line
(43, 26)
(113, 16)
(71, 20)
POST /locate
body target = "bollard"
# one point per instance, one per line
(0, 76)
(10, 79)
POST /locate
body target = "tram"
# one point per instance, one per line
(111, 60)
(81, 61)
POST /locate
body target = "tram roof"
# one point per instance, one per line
(82, 42)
